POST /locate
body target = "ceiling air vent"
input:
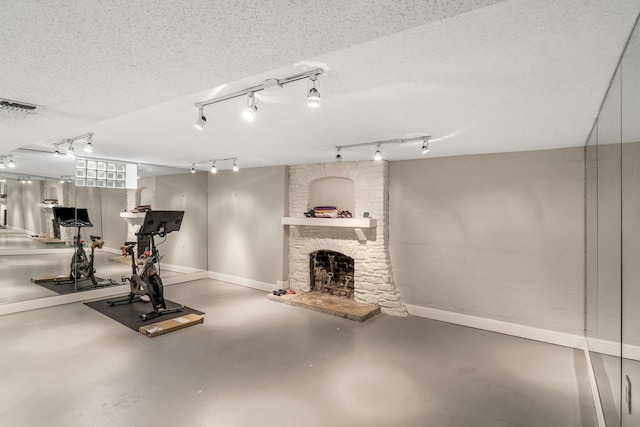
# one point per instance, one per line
(25, 107)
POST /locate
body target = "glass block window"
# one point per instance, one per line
(100, 173)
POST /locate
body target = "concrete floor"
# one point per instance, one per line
(14, 239)
(257, 363)
(16, 273)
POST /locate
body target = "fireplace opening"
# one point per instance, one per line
(332, 272)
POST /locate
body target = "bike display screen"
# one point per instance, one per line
(161, 222)
(72, 217)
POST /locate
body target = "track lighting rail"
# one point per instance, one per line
(257, 88)
(378, 154)
(213, 162)
(10, 162)
(387, 141)
(69, 142)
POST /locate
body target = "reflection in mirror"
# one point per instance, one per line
(34, 246)
(612, 237)
(630, 69)
(603, 252)
(26, 212)
(607, 365)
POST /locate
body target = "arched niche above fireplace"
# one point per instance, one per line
(332, 191)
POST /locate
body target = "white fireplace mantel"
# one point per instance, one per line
(133, 218)
(356, 223)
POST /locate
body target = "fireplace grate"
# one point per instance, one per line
(332, 272)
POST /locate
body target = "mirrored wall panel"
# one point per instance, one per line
(612, 237)
(63, 233)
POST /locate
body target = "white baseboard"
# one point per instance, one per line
(529, 332)
(249, 283)
(186, 277)
(163, 266)
(5, 252)
(613, 348)
(29, 232)
(182, 269)
(112, 250)
(16, 229)
(282, 284)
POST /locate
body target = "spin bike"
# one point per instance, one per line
(148, 282)
(81, 267)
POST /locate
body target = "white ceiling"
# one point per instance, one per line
(479, 76)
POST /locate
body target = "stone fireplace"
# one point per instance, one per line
(360, 187)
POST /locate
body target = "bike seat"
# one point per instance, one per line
(93, 238)
(130, 243)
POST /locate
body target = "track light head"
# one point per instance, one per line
(89, 147)
(338, 156)
(56, 152)
(29, 180)
(70, 151)
(378, 155)
(313, 98)
(11, 163)
(214, 170)
(202, 120)
(193, 168)
(425, 146)
(235, 166)
(249, 113)
(1, 164)
(62, 181)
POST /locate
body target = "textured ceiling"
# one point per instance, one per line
(513, 76)
(88, 60)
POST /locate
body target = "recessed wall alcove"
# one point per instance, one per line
(332, 191)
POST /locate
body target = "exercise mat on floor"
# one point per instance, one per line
(70, 288)
(128, 314)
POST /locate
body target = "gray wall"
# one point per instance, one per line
(90, 198)
(497, 236)
(631, 243)
(246, 238)
(22, 206)
(114, 228)
(104, 206)
(187, 192)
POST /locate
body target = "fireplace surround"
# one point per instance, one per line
(368, 246)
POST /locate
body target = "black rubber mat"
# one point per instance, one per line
(128, 314)
(69, 287)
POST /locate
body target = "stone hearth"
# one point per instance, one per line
(329, 304)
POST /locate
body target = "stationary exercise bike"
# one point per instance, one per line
(81, 267)
(148, 282)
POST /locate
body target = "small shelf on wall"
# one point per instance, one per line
(133, 218)
(357, 224)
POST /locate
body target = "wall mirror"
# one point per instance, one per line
(35, 247)
(612, 236)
